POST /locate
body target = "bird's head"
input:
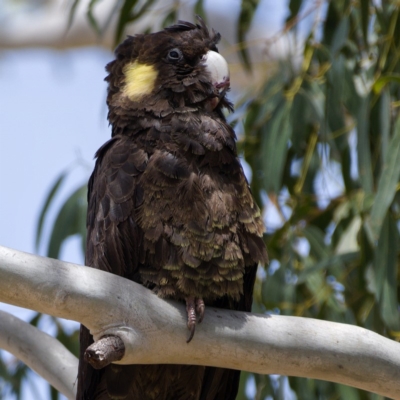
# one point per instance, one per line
(175, 69)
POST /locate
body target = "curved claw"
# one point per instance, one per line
(192, 329)
(195, 310)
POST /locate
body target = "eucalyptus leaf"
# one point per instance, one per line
(332, 21)
(123, 19)
(72, 12)
(316, 239)
(340, 35)
(199, 9)
(247, 11)
(382, 81)
(363, 148)
(364, 5)
(334, 95)
(349, 393)
(275, 146)
(387, 184)
(69, 221)
(385, 267)
(91, 17)
(47, 203)
(384, 122)
(128, 15)
(169, 19)
(349, 237)
(244, 376)
(294, 8)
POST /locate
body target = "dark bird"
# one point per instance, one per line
(169, 205)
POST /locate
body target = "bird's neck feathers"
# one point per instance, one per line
(146, 99)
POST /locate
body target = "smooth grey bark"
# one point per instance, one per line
(40, 352)
(154, 330)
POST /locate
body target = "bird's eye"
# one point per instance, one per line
(174, 55)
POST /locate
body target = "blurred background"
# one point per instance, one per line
(316, 90)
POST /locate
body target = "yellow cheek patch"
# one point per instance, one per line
(140, 80)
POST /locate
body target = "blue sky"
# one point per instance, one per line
(53, 114)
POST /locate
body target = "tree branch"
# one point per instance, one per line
(111, 305)
(104, 351)
(40, 352)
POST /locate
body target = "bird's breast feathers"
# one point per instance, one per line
(199, 221)
(172, 174)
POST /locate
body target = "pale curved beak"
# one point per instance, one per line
(218, 68)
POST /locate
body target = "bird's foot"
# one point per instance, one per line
(200, 308)
(195, 309)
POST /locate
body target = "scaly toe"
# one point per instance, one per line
(200, 309)
(191, 316)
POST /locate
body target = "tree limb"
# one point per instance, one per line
(104, 351)
(40, 352)
(154, 330)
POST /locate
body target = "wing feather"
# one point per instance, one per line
(113, 237)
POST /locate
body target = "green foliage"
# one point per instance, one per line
(131, 10)
(332, 120)
(297, 128)
(247, 11)
(70, 220)
(46, 206)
